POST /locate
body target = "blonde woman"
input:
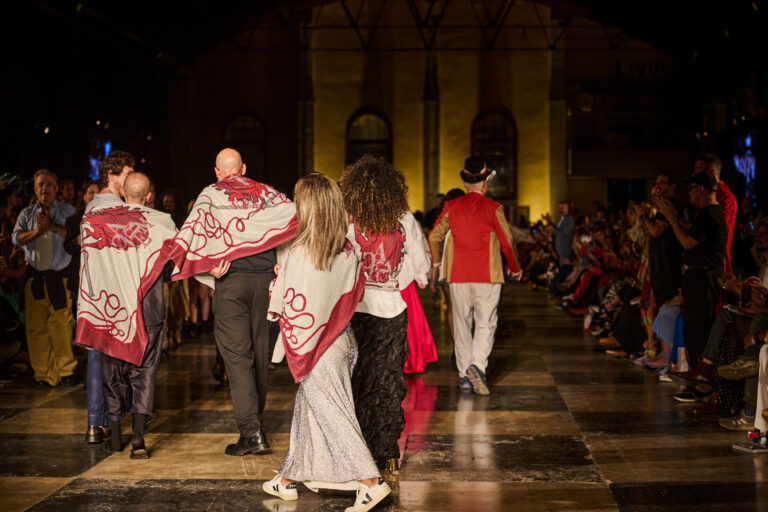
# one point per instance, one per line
(314, 297)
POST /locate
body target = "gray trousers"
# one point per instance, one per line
(241, 330)
(118, 376)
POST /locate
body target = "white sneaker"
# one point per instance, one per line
(276, 488)
(369, 497)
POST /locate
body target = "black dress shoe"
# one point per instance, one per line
(139, 449)
(111, 449)
(69, 380)
(41, 384)
(245, 445)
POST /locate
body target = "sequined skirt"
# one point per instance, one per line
(326, 442)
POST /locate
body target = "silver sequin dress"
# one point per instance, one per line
(326, 442)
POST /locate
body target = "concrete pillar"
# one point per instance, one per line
(306, 117)
(558, 177)
(431, 130)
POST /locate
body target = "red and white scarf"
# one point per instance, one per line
(231, 219)
(314, 306)
(121, 256)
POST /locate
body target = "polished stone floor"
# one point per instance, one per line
(566, 428)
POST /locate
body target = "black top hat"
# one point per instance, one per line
(475, 170)
(705, 179)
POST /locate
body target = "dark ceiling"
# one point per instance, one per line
(177, 31)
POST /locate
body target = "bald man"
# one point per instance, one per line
(238, 261)
(134, 250)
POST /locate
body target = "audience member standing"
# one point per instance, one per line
(231, 233)
(704, 246)
(480, 234)
(725, 198)
(375, 199)
(67, 191)
(665, 252)
(562, 239)
(40, 232)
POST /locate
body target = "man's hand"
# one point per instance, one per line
(221, 269)
(666, 208)
(517, 276)
(44, 222)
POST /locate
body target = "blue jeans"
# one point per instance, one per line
(94, 394)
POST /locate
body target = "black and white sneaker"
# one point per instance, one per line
(369, 497)
(276, 488)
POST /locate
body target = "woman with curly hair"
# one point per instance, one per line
(375, 200)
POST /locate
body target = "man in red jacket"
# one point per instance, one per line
(479, 233)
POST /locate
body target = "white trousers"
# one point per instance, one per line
(478, 302)
(762, 390)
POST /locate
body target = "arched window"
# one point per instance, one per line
(368, 133)
(494, 138)
(245, 133)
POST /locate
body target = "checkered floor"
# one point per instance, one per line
(566, 428)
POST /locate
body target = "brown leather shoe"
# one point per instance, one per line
(609, 341)
(96, 434)
(765, 414)
(739, 369)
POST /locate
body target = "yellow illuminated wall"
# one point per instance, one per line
(469, 83)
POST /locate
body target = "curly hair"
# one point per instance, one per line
(113, 164)
(374, 194)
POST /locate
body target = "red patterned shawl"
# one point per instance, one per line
(314, 306)
(233, 218)
(121, 257)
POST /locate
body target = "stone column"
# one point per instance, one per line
(431, 130)
(306, 116)
(558, 178)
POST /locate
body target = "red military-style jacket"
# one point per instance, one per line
(479, 234)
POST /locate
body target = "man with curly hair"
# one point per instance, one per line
(479, 234)
(375, 200)
(113, 171)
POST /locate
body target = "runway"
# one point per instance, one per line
(566, 428)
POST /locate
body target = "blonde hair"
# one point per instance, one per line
(322, 229)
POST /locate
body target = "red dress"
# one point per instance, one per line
(421, 345)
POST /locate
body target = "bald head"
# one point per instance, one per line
(229, 162)
(136, 188)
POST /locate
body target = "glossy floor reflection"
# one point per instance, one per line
(566, 428)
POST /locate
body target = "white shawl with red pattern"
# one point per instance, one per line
(233, 218)
(121, 256)
(314, 306)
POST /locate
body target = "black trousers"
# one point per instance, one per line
(378, 381)
(118, 376)
(701, 291)
(241, 330)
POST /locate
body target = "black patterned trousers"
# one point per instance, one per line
(378, 381)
